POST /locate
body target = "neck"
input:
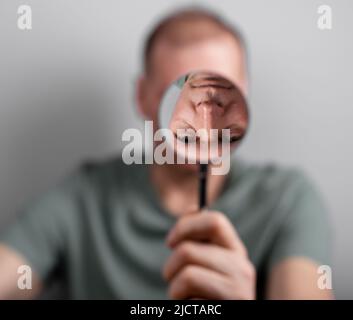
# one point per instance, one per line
(178, 187)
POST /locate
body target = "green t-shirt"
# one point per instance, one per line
(102, 231)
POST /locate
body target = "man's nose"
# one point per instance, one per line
(209, 114)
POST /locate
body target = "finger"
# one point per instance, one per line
(210, 256)
(213, 227)
(195, 281)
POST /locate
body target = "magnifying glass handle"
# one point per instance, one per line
(202, 186)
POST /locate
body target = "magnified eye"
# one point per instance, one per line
(235, 139)
(230, 140)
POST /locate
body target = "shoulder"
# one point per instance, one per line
(102, 172)
(84, 181)
(276, 190)
(270, 177)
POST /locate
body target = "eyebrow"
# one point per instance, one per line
(209, 86)
(219, 83)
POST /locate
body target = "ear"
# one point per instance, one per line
(142, 98)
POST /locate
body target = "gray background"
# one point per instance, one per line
(66, 93)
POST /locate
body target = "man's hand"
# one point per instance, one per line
(209, 260)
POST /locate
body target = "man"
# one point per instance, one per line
(115, 231)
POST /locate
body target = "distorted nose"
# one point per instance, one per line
(209, 111)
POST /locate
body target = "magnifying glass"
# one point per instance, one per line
(208, 118)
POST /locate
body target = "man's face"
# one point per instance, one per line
(207, 101)
(221, 55)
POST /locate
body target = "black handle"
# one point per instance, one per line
(203, 186)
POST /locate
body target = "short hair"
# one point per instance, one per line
(167, 25)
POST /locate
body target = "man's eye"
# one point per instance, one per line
(229, 139)
(235, 139)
